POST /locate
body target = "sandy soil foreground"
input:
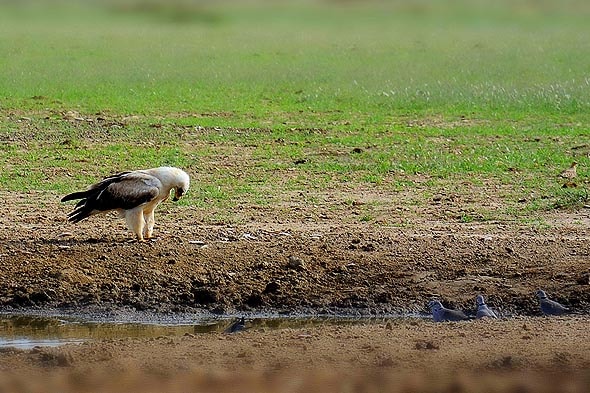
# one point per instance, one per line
(518, 355)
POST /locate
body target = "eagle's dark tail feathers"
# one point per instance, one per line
(75, 195)
(87, 205)
(80, 212)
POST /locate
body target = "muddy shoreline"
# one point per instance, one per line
(357, 270)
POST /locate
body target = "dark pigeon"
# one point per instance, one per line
(442, 314)
(237, 326)
(550, 307)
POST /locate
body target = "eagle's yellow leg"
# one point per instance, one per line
(150, 221)
(135, 222)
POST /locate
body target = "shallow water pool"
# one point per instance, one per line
(26, 331)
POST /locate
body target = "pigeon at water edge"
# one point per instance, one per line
(550, 307)
(236, 326)
(483, 311)
(442, 314)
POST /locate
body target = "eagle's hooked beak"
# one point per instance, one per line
(178, 192)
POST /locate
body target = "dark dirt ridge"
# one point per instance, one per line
(322, 268)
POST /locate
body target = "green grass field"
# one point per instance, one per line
(262, 100)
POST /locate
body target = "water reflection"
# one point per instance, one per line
(44, 328)
(28, 331)
(25, 343)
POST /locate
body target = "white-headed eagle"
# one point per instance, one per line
(134, 195)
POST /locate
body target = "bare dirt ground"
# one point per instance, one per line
(307, 262)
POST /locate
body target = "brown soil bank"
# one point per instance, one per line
(315, 267)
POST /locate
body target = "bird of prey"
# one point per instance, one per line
(442, 314)
(483, 311)
(550, 307)
(570, 172)
(133, 194)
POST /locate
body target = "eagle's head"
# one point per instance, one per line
(181, 185)
(172, 179)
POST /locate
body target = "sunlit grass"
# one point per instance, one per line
(269, 62)
(264, 102)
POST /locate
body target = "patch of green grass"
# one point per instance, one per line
(366, 218)
(467, 218)
(571, 199)
(257, 167)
